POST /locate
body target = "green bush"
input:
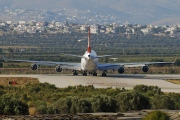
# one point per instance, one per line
(177, 62)
(156, 115)
(103, 103)
(12, 106)
(131, 101)
(162, 102)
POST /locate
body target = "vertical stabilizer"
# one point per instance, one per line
(89, 41)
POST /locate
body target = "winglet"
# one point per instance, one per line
(174, 61)
(89, 41)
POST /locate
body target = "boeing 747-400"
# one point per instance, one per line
(89, 63)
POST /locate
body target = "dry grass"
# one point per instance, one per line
(32, 111)
(176, 81)
(21, 81)
(17, 47)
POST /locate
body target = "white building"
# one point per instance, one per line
(146, 30)
(94, 29)
(84, 28)
(22, 22)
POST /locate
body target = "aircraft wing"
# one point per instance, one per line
(115, 66)
(64, 65)
(141, 64)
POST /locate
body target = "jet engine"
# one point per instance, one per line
(121, 70)
(145, 68)
(58, 69)
(34, 67)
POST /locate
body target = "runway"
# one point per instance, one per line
(127, 81)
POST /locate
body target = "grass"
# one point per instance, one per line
(175, 81)
(21, 81)
(17, 47)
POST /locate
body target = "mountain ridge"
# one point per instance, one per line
(136, 11)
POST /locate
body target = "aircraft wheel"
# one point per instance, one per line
(103, 74)
(84, 73)
(75, 73)
(94, 74)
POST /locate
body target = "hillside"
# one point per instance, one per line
(136, 11)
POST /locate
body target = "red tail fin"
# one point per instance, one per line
(89, 41)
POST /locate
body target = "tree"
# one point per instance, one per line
(156, 115)
(1, 90)
(177, 62)
(10, 50)
(176, 98)
(52, 109)
(41, 109)
(103, 103)
(1, 51)
(12, 106)
(131, 101)
(63, 106)
(162, 102)
(84, 106)
(1, 64)
(147, 90)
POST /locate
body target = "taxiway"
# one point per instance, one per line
(127, 81)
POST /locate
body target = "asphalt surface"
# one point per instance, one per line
(127, 81)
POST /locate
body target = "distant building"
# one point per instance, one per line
(94, 29)
(3, 24)
(146, 30)
(110, 30)
(66, 30)
(8, 22)
(84, 28)
(22, 22)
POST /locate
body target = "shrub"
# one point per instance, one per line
(156, 115)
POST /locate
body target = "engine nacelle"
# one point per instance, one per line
(34, 67)
(145, 68)
(121, 70)
(58, 69)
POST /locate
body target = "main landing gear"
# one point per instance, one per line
(75, 73)
(91, 73)
(84, 73)
(94, 74)
(104, 73)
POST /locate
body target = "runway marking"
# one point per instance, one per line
(95, 83)
(118, 83)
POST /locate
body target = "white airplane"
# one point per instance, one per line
(89, 63)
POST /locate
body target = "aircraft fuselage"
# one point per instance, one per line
(89, 62)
